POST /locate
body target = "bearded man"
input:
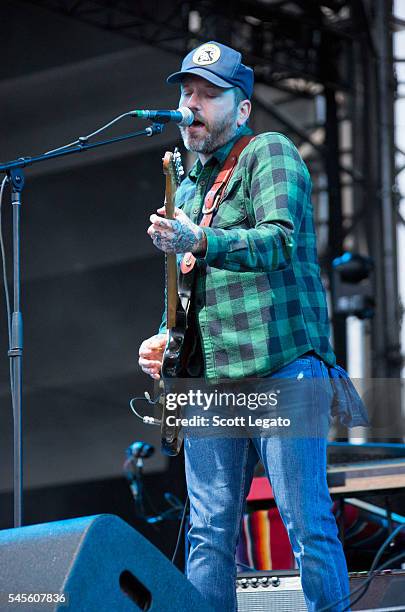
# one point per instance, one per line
(258, 310)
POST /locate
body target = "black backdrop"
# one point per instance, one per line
(92, 285)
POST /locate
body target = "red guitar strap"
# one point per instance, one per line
(214, 197)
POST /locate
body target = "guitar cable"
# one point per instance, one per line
(149, 420)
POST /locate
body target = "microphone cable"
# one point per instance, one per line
(5, 283)
(85, 139)
(181, 528)
(3, 259)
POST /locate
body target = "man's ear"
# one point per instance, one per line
(245, 106)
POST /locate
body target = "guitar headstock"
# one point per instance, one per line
(172, 166)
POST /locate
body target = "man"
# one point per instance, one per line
(259, 310)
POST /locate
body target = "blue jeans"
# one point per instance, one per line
(219, 473)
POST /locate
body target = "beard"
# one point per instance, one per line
(214, 136)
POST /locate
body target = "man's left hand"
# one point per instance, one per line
(179, 235)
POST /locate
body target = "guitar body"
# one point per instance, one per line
(171, 438)
(173, 356)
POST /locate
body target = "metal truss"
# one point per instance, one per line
(160, 24)
(283, 41)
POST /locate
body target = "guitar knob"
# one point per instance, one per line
(172, 345)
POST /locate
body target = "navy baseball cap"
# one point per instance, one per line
(218, 64)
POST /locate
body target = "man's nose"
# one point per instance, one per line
(193, 102)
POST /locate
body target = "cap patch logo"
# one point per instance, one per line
(206, 54)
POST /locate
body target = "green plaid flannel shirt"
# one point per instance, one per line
(259, 298)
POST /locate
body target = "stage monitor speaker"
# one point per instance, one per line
(274, 591)
(90, 564)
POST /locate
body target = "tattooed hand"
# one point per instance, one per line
(179, 235)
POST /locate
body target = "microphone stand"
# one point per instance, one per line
(16, 178)
(134, 473)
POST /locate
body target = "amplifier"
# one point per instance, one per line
(271, 591)
(276, 591)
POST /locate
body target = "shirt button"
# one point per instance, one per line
(202, 183)
(196, 211)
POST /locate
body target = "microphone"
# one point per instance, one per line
(183, 116)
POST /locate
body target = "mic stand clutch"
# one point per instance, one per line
(15, 175)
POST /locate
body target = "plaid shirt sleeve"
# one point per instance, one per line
(279, 186)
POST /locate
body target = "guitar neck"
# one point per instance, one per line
(171, 262)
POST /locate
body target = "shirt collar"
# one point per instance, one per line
(220, 155)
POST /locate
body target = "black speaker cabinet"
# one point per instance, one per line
(386, 591)
(281, 591)
(97, 563)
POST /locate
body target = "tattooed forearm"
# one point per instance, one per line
(180, 240)
(177, 236)
(201, 247)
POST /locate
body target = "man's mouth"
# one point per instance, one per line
(197, 124)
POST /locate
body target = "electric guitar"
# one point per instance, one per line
(176, 317)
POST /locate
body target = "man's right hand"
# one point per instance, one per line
(151, 355)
